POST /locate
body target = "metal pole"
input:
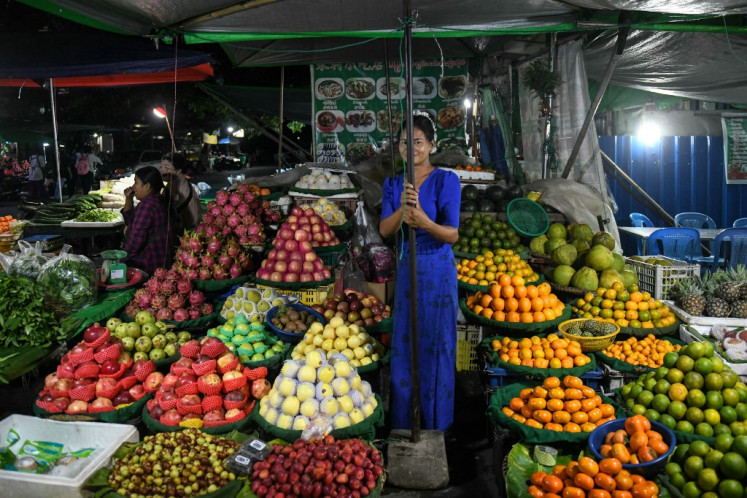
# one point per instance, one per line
(415, 400)
(56, 141)
(622, 37)
(390, 121)
(553, 37)
(280, 133)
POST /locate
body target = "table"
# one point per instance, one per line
(112, 236)
(645, 232)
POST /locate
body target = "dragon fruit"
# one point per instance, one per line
(181, 315)
(221, 197)
(245, 261)
(240, 231)
(220, 221)
(168, 287)
(143, 298)
(158, 302)
(219, 273)
(235, 270)
(227, 231)
(207, 218)
(193, 241)
(160, 273)
(235, 198)
(191, 273)
(171, 274)
(194, 313)
(243, 239)
(248, 197)
(191, 261)
(242, 187)
(183, 286)
(164, 314)
(257, 239)
(215, 211)
(211, 231)
(214, 245)
(132, 309)
(225, 260)
(206, 309)
(254, 228)
(234, 220)
(196, 298)
(176, 301)
(228, 210)
(207, 261)
(204, 273)
(201, 230)
(243, 210)
(232, 248)
(153, 285)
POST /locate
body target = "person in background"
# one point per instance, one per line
(36, 176)
(183, 197)
(149, 237)
(431, 206)
(85, 165)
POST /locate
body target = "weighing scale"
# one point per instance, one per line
(113, 270)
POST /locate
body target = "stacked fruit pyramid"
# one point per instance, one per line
(509, 300)
(723, 294)
(627, 307)
(487, 267)
(250, 341)
(352, 342)
(552, 351)
(482, 232)
(693, 392)
(314, 385)
(251, 303)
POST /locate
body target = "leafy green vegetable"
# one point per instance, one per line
(24, 318)
(69, 282)
(97, 215)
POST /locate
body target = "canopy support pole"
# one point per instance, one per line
(553, 55)
(292, 147)
(280, 132)
(56, 141)
(622, 37)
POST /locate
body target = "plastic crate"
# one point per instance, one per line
(468, 337)
(658, 280)
(309, 297)
(500, 377)
(343, 201)
(614, 379)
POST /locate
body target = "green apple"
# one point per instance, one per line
(171, 337)
(133, 330)
(140, 355)
(269, 353)
(159, 341)
(157, 354)
(143, 344)
(184, 336)
(121, 330)
(161, 326)
(128, 343)
(170, 349)
(149, 330)
(144, 317)
(112, 323)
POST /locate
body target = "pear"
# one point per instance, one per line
(356, 416)
(329, 406)
(341, 420)
(284, 421)
(300, 422)
(340, 386)
(305, 391)
(307, 373)
(290, 406)
(309, 408)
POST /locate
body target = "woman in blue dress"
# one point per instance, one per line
(431, 206)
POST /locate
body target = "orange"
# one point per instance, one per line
(513, 316)
(551, 382)
(599, 493)
(494, 290)
(572, 427)
(572, 406)
(526, 393)
(573, 394)
(526, 317)
(580, 418)
(552, 484)
(557, 393)
(605, 481)
(587, 391)
(507, 291)
(535, 491)
(504, 280)
(607, 410)
(540, 392)
(587, 405)
(520, 291)
(511, 304)
(517, 281)
(487, 313)
(537, 404)
(485, 300)
(588, 426)
(573, 492)
(583, 480)
(552, 426)
(516, 404)
(571, 381)
(588, 466)
(533, 423)
(543, 416)
(595, 415)
(555, 405)
(544, 289)
(561, 417)
(497, 304)
(610, 466)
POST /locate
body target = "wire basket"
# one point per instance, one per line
(527, 217)
(588, 344)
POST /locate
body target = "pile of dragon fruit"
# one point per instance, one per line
(169, 296)
(216, 258)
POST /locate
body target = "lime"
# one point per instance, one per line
(731, 396)
(677, 392)
(648, 384)
(662, 386)
(709, 494)
(730, 488)
(691, 490)
(742, 388)
(646, 397)
(693, 380)
(699, 448)
(685, 363)
(695, 350)
(738, 429)
(635, 391)
(638, 409)
(729, 378)
(713, 458)
(625, 390)
(721, 429)
(739, 445)
(678, 480)
(693, 466)
(675, 375)
(681, 453)
(714, 382)
(672, 468)
(712, 416)
(703, 366)
(741, 411)
(703, 429)
(661, 402)
(723, 442)
(694, 415)
(684, 426)
(708, 479)
(670, 359)
(630, 403)
(714, 399)
(707, 349)
(733, 466)
(696, 398)
(668, 421)
(661, 373)
(652, 414)
(728, 414)
(677, 409)
(717, 363)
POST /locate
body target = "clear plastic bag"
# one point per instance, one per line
(318, 427)
(377, 261)
(69, 281)
(26, 262)
(365, 231)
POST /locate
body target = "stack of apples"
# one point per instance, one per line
(356, 307)
(96, 376)
(207, 385)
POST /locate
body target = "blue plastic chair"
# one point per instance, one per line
(678, 243)
(640, 220)
(732, 242)
(740, 223)
(691, 219)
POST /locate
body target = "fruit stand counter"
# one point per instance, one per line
(113, 234)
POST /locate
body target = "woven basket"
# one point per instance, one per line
(588, 344)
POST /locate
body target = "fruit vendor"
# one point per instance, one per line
(431, 206)
(183, 197)
(149, 236)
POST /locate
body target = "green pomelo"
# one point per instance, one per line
(599, 258)
(585, 278)
(563, 274)
(564, 255)
(604, 239)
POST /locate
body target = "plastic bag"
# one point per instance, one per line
(27, 262)
(318, 427)
(365, 231)
(378, 262)
(69, 281)
(352, 275)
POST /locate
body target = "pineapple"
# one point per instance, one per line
(739, 276)
(715, 305)
(726, 286)
(689, 295)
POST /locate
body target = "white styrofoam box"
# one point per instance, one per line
(705, 330)
(463, 174)
(62, 481)
(705, 320)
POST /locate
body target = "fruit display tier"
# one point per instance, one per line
(702, 333)
(515, 328)
(154, 426)
(219, 285)
(197, 323)
(669, 330)
(476, 287)
(293, 285)
(501, 398)
(525, 254)
(620, 365)
(122, 415)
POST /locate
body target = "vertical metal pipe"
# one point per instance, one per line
(415, 399)
(553, 37)
(390, 120)
(280, 133)
(56, 141)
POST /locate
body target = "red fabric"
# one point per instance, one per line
(196, 73)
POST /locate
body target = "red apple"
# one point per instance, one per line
(260, 388)
(169, 381)
(309, 212)
(225, 359)
(185, 378)
(79, 349)
(122, 398)
(213, 416)
(101, 402)
(168, 395)
(153, 381)
(105, 384)
(50, 380)
(190, 400)
(93, 332)
(136, 391)
(61, 402)
(296, 211)
(63, 385)
(77, 406)
(171, 417)
(207, 340)
(109, 367)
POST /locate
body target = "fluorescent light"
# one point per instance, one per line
(649, 133)
(467, 104)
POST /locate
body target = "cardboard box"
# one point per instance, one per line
(384, 292)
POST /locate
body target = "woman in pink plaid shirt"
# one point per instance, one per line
(149, 238)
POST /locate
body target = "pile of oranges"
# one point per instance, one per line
(626, 307)
(586, 478)
(489, 266)
(638, 443)
(5, 223)
(509, 300)
(648, 352)
(562, 406)
(546, 352)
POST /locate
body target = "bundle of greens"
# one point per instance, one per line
(24, 318)
(69, 282)
(97, 215)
